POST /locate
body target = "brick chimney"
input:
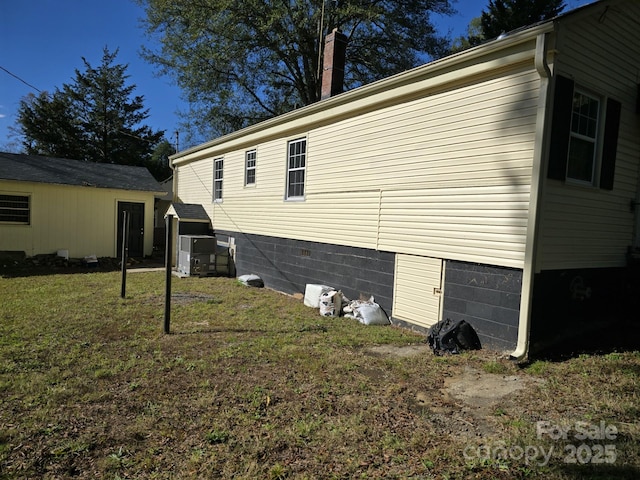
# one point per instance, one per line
(335, 47)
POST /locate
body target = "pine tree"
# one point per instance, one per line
(96, 118)
(158, 164)
(503, 16)
(47, 128)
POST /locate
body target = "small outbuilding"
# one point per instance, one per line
(53, 204)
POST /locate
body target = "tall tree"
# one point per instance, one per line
(158, 164)
(47, 127)
(474, 36)
(240, 62)
(95, 118)
(503, 16)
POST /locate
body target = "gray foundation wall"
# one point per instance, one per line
(288, 265)
(488, 298)
(585, 309)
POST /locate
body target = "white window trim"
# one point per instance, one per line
(28, 209)
(297, 198)
(597, 141)
(247, 168)
(218, 182)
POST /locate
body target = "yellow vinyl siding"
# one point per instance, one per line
(341, 218)
(195, 183)
(585, 228)
(81, 220)
(416, 292)
(588, 227)
(446, 175)
(434, 139)
(483, 224)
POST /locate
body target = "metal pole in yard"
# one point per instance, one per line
(167, 263)
(125, 251)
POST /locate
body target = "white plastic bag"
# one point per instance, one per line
(331, 303)
(251, 280)
(368, 313)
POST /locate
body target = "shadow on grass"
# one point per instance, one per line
(601, 472)
(37, 268)
(211, 331)
(306, 328)
(619, 333)
(42, 271)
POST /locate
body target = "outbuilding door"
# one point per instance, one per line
(417, 291)
(136, 228)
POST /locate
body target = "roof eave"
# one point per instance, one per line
(429, 69)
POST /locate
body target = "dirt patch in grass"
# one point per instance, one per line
(252, 384)
(472, 392)
(479, 395)
(482, 390)
(404, 351)
(184, 298)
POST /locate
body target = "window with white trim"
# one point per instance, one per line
(218, 165)
(296, 166)
(584, 137)
(15, 209)
(250, 167)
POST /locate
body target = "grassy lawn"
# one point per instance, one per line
(251, 384)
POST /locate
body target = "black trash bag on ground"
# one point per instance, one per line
(448, 336)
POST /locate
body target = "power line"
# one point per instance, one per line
(23, 81)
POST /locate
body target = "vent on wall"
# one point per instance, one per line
(305, 253)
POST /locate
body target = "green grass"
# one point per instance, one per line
(253, 384)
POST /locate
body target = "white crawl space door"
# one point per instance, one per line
(417, 290)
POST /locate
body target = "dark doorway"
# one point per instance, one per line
(136, 228)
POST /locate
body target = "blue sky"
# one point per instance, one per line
(43, 42)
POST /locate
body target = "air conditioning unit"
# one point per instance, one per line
(196, 255)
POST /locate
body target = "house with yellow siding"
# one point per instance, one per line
(52, 204)
(496, 185)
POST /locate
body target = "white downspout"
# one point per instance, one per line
(521, 352)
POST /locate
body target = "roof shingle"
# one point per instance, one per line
(41, 169)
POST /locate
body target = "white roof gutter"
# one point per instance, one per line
(453, 68)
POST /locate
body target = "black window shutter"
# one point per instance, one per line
(560, 128)
(610, 144)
